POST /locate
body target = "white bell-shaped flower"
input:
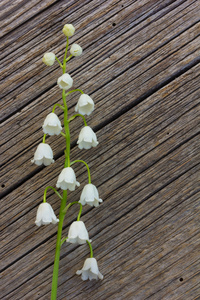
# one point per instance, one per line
(67, 179)
(76, 50)
(45, 215)
(65, 81)
(52, 124)
(68, 30)
(85, 105)
(49, 58)
(90, 195)
(90, 270)
(43, 155)
(77, 233)
(87, 138)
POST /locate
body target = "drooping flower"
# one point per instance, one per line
(85, 105)
(87, 138)
(76, 50)
(49, 58)
(67, 179)
(43, 155)
(77, 233)
(52, 124)
(90, 195)
(45, 215)
(90, 270)
(65, 81)
(68, 30)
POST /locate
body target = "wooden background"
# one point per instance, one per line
(141, 67)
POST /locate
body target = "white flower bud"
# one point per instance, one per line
(90, 195)
(68, 30)
(45, 215)
(48, 58)
(76, 50)
(52, 124)
(90, 270)
(65, 81)
(43, 155)
(87, 138)
(78, 233)
(85, 105)
(67, 179)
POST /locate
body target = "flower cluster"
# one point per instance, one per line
(67, 178)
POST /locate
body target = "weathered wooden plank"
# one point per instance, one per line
(40, 71)
(142, 145)
(15, 13)
(101, 8)
(146, 233)
(139, 88)
(177, 100)
(22, 227)
(118, 66)
(162, 235)
(100, 67)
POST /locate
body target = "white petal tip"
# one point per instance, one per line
(37, 224)
(78, 272)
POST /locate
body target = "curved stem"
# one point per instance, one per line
(91, 251)
(45, 192)
(76, 90)
(80, 211)
(78, 115)
(59, 105)
(44, 137)
(88, 169)
(72, 203)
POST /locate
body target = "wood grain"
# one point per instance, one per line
(141, 66)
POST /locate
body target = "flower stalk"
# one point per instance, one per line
(67, 178)
(58, 246)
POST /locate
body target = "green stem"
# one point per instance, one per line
(64, 59)
(59, 105)
(58, 246)
(68, 58)
(62, 133)
(59, 62)
(63, 240)
(45, 193)
(44, 137)
(67, 132)
(76, 90)
(91, 251)
(80, 211)
(72, 203)
(78, 115)
(88, 169)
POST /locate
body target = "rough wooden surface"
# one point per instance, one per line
(141, 66)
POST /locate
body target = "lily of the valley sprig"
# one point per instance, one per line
(67, 177)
